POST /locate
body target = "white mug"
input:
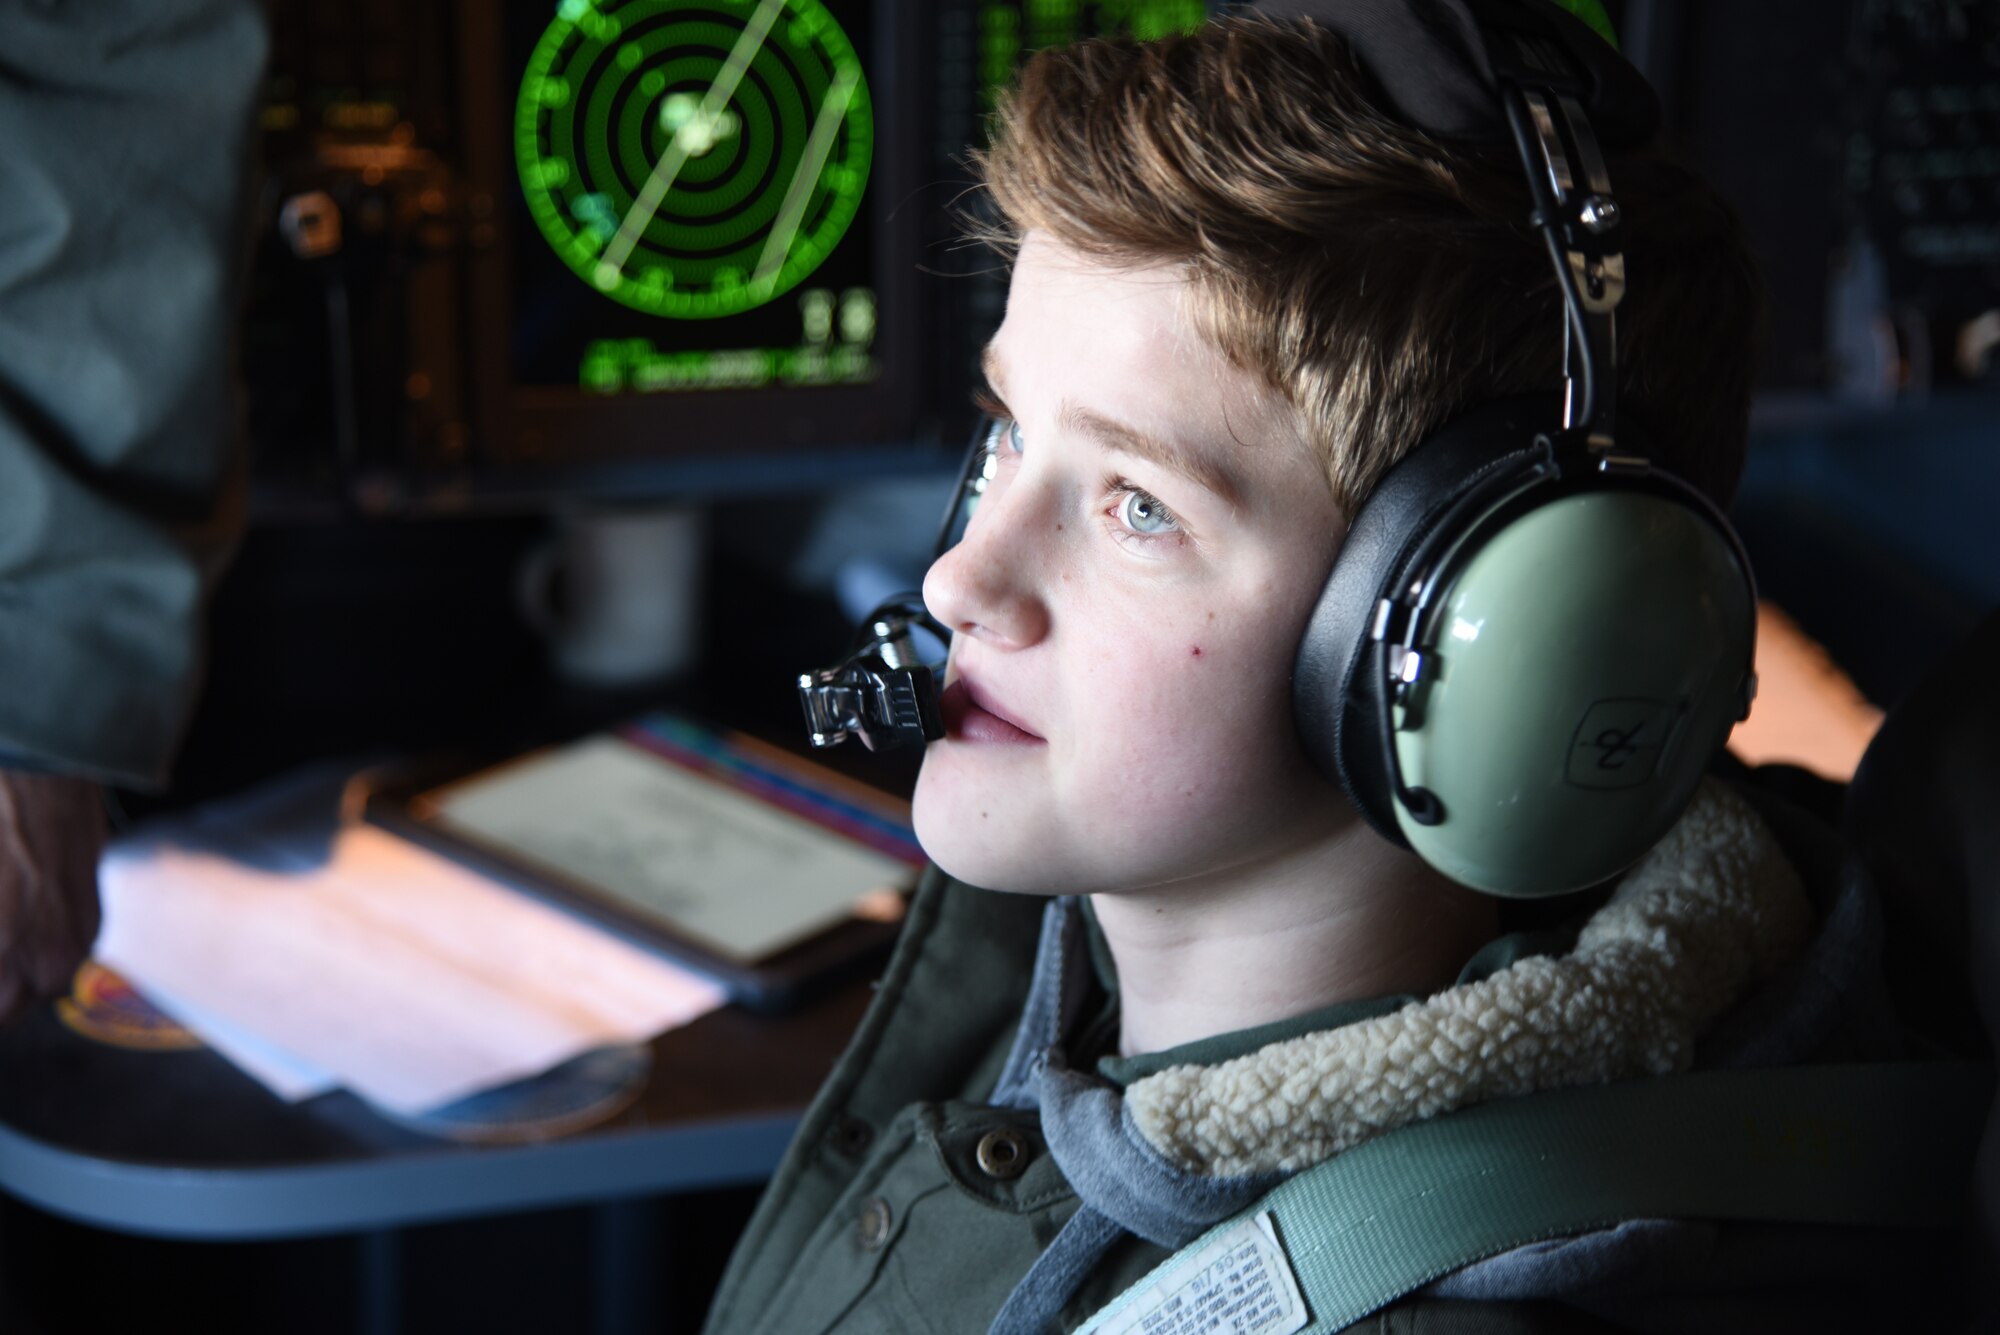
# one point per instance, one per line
(616, 592)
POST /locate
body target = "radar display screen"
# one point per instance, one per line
(692, 177)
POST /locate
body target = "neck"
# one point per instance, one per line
(1344, 918)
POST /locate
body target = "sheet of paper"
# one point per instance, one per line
(738, 874)
(289, 1077)
(402, 975)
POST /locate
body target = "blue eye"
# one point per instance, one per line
(1143, 513)
(1014, 438)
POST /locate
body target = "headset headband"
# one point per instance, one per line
(1531, 72)
(1442, 63)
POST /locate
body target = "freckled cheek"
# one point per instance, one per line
(1178, 722)
(1236, 675)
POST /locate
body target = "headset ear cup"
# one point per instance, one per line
(1336, 714)
(1601, 637)
(1583, 660)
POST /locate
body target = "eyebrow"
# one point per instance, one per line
(1125, 439)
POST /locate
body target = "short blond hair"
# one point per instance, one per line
(1379, 278)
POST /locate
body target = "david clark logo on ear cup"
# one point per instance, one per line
(1618, 743)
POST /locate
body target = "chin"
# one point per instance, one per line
(995, 850)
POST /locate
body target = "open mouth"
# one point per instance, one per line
(966, 719)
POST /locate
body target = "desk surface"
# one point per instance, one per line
(182, 1144)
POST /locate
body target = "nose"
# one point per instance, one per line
(986, 586)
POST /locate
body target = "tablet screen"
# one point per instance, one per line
(743, 851)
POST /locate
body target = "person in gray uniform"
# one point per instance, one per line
(126, 127)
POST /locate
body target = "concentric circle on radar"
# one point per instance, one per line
(693, 158)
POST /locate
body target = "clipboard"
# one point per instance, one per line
(771, 874)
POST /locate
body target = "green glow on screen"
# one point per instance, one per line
(1592, 13)
(640, 144)
(1009, 29)
(837, 330)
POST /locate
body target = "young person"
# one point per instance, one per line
(1242, 289)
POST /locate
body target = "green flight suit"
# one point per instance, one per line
(893, 1213)
(882, 1217)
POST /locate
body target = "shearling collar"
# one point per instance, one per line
(1711, 911)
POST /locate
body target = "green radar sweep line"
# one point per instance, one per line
(671, 161)
(693, 158)
(830, 115)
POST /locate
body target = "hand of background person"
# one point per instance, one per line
(52, 831)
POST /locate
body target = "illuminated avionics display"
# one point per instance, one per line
(1009, 29)
(693, 188)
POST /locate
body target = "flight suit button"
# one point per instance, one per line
(1002, 1154)
(872, 1229)
(850, 1136)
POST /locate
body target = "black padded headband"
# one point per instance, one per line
(1441, 62)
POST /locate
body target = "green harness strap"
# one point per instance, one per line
(1886, 1144)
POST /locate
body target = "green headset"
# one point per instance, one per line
(1533, 641)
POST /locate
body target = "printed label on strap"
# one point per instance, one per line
(1241, 1283)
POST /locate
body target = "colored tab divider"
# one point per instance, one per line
(811, 792)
